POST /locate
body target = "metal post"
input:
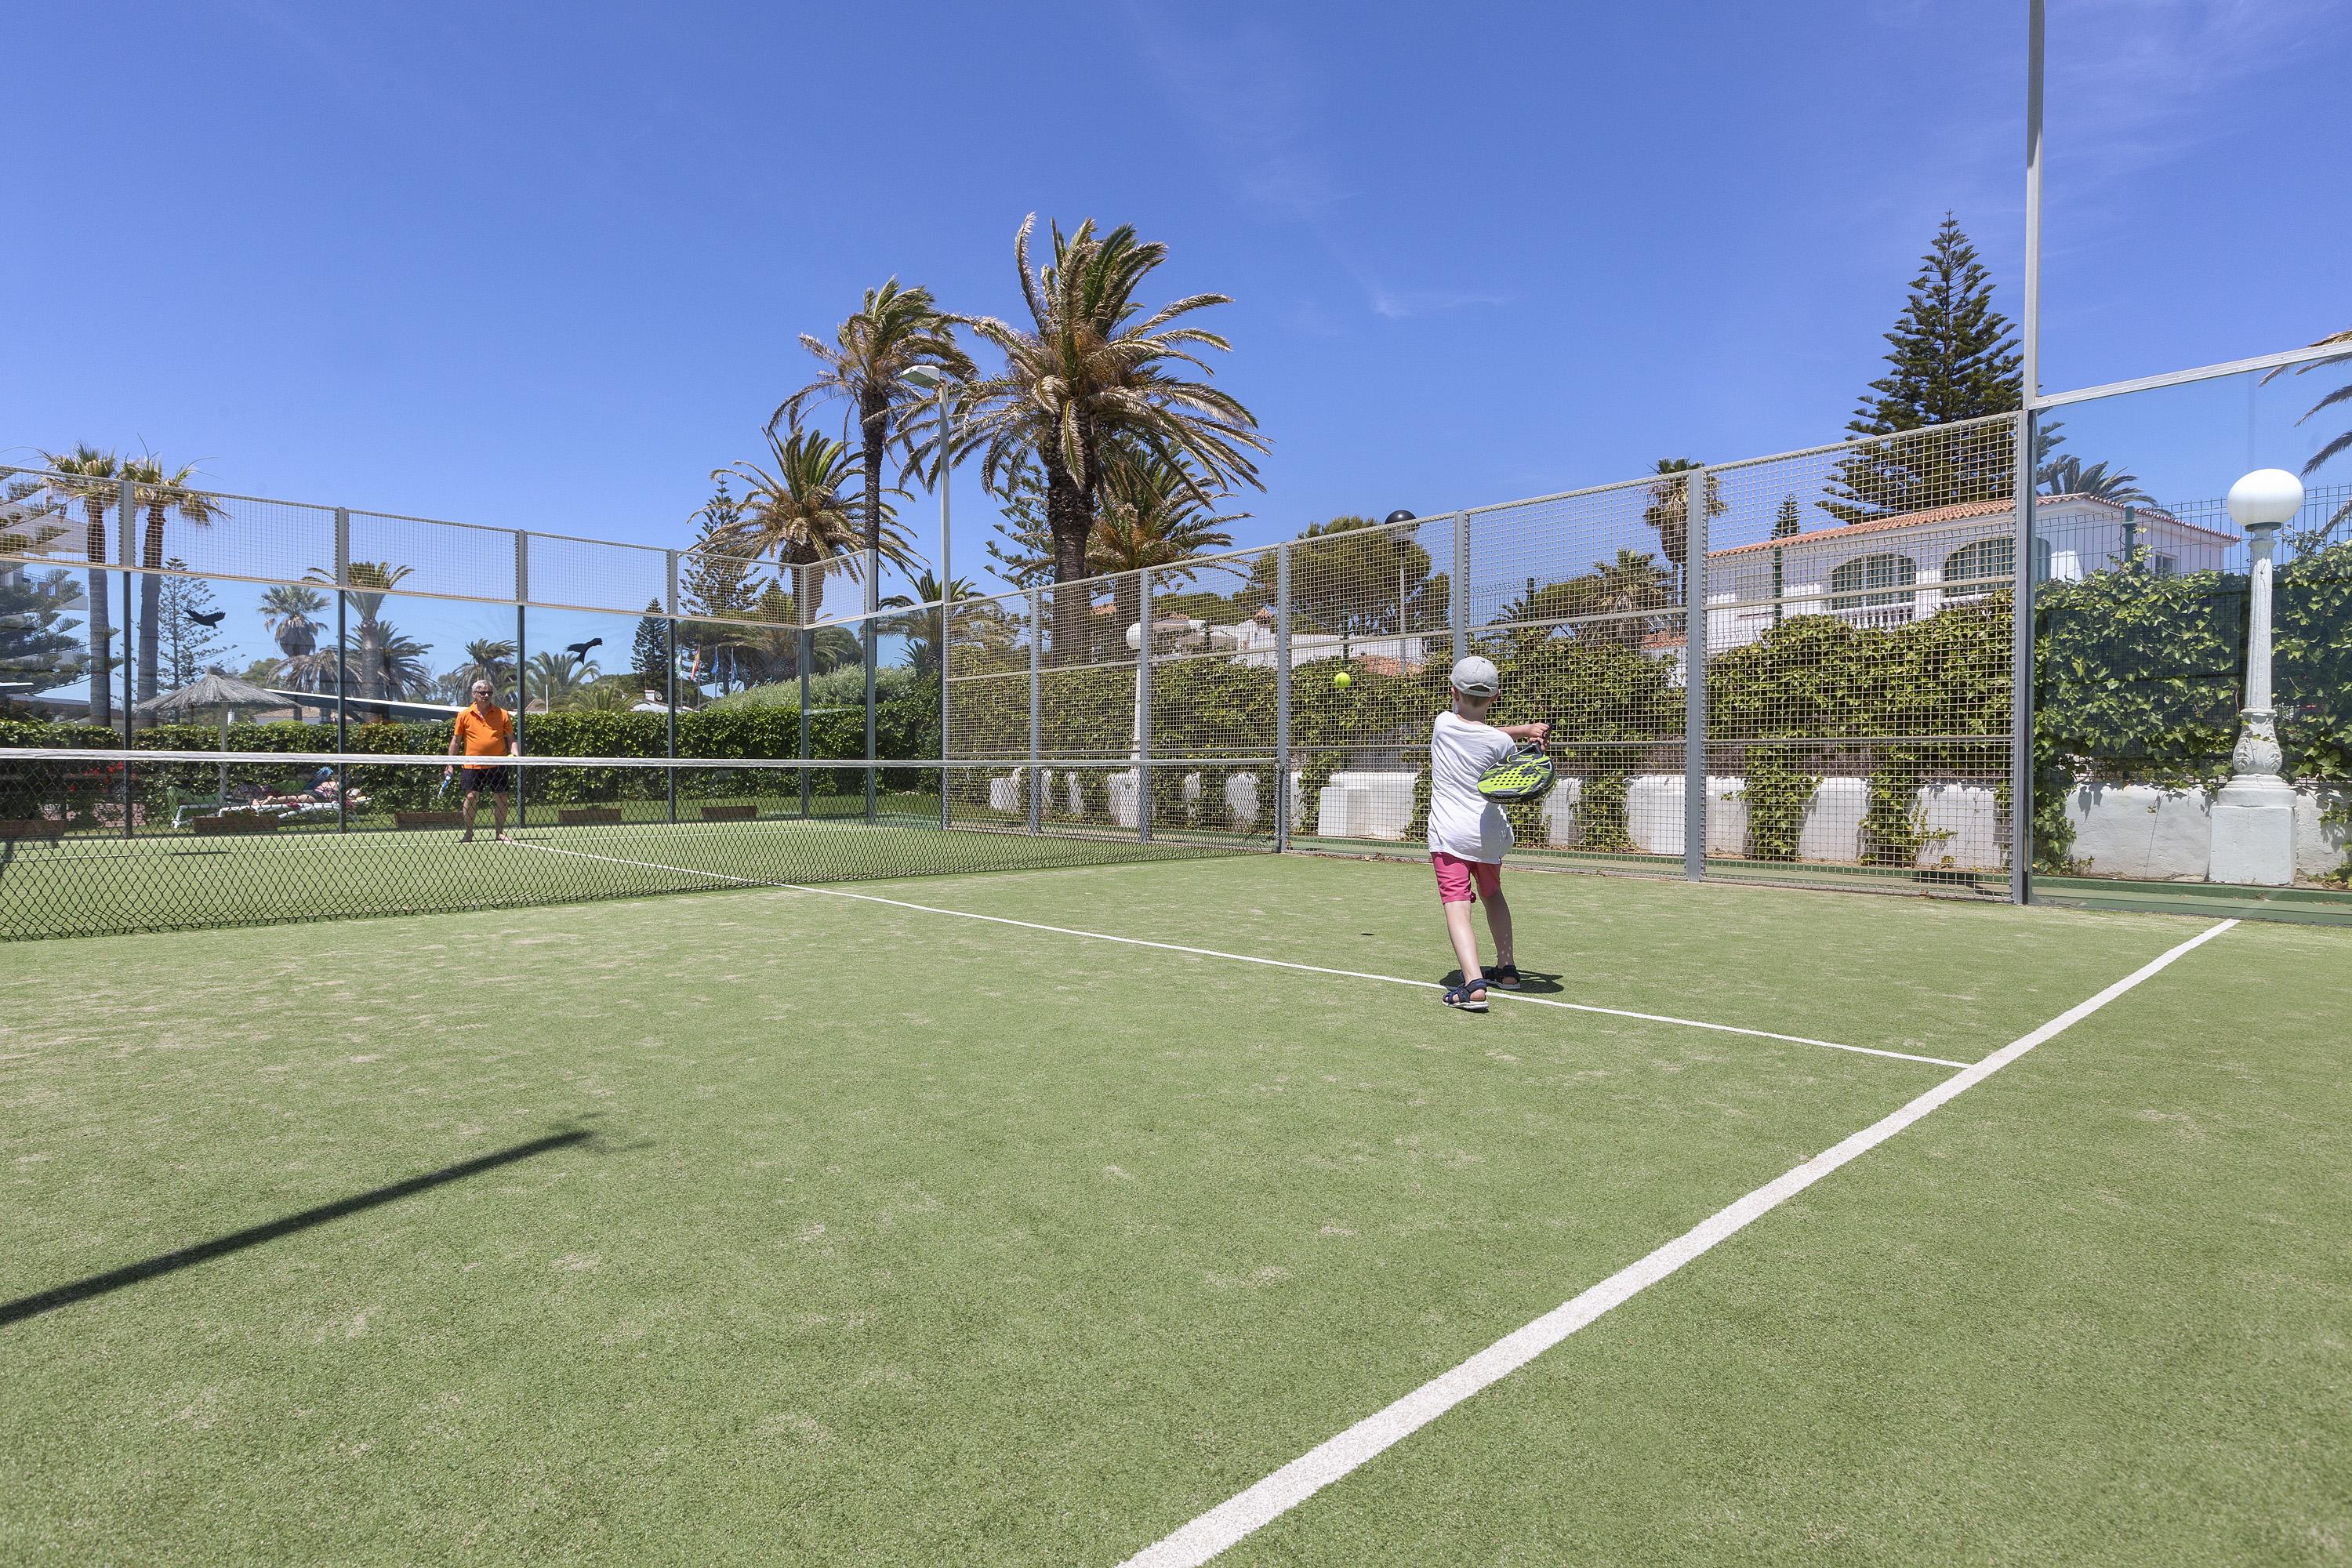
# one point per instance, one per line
(872, 656)
(1037, 709)
(522, 666)
(125, 505)
(806, 653)
(1280, 792)
(2020, 704)
(947, 591)
(342, 573)
(669, 694)
(1143, 802)
(1694, 497)
(1460, 594)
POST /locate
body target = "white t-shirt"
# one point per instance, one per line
(1462, 822)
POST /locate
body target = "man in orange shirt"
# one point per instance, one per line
(483, 729)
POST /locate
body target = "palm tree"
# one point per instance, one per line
(160, 493)
(894, 332)
(1086, 370)
(554, 680)
(921, 623)
(2073, 477)
(289, 613)
(1668, 510)
(368, 582)
(1154, 513)
(91, 476)
(2339, 443)
(391, 665)
(487, 659)
(800, 511)
(1151, 514)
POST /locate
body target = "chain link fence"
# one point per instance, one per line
(1798, 668)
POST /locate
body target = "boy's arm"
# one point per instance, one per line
(1535, 731)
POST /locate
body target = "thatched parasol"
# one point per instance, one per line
(213, 690)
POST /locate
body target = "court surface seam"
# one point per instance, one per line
(1226, 1525)
(1252, 958)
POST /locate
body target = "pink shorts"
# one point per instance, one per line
(1456, 877)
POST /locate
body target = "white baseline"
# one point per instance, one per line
(1228, 1523)
(1247, 958)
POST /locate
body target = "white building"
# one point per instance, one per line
(1896, 570)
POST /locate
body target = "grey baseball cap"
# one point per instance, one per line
(1476, 677)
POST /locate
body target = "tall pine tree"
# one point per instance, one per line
(650, 652)
(1951, 357)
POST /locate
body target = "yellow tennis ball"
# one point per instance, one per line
(1341, 680)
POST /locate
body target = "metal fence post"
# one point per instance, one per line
(522, 680)
(126, 504)
(2021, 673)
(1279, 792)
(807, 653)
(945, 628)
(1143, 802)
(343, 655)
(1694, 507)
(1460, 610)
(669, 696)
(1036, 711)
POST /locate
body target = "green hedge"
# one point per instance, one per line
(2137, 679)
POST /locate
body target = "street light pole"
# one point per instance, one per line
(2253, 813)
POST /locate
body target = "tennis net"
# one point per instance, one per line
(97, 842)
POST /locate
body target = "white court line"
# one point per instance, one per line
(1267, 963)
(1227, 1524)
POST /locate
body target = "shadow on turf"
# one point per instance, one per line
(238, 1241)
(1533, 981)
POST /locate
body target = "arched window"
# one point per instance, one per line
(1873, 580)
(1978, 566)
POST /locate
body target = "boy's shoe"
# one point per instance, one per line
(1506, 976)
(1470, 996)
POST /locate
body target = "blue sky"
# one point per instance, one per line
(545, 266)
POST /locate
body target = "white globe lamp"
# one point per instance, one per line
(2253, 815)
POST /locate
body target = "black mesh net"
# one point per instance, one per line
(95, 842)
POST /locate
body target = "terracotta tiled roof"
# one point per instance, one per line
(1959, 512)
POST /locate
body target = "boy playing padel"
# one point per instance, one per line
(1468, 834)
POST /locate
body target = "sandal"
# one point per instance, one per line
(1470, 996)
(1506, 976)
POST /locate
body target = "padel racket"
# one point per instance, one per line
(1527, 776)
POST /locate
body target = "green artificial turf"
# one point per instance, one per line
(904, 1238)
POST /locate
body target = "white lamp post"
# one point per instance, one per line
(2253, 816)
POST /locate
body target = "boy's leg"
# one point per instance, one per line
(1498, 920)
(1454, 893)
(1465, 939)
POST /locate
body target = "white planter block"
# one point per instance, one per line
(1387, 809)
(1338, 808)
(1005, 792)
(1727, 815)
(1970, 815)
(1241, 800)
(1560, 813)
(2320, 850)
(2141, 832)
(1832, 826)
(1121, 788)
(1653, 812)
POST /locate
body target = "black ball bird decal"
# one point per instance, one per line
(579, 649)
(213, 620)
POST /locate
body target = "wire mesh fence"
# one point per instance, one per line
(98, 842)
(1796, 668)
